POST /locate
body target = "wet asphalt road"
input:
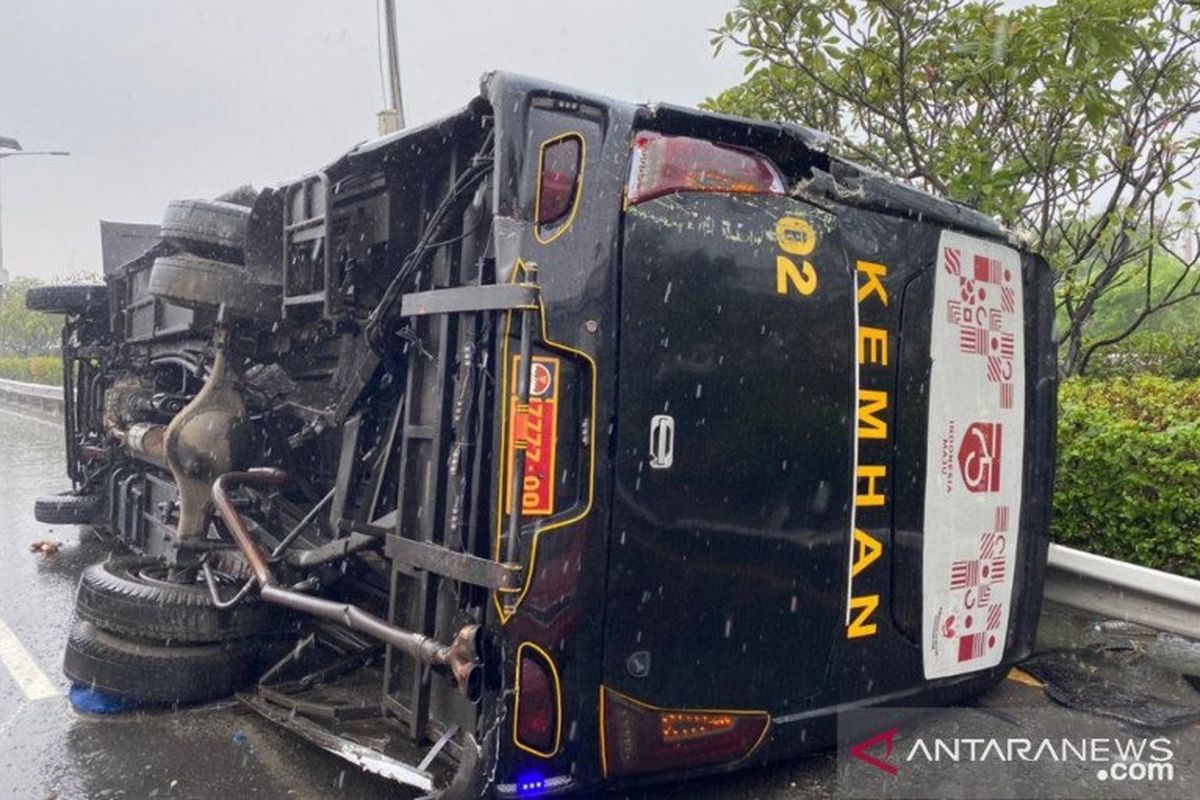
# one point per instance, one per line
(49, 751)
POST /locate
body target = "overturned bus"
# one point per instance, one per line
(560, 442)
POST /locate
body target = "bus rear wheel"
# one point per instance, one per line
(133, 596)
(155, 673)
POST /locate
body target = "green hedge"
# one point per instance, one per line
(32, 369)
(1128, 481)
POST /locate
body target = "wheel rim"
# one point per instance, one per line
(156, 575)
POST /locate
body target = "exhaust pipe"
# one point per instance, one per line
(461, 658)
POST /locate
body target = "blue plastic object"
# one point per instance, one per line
(93, 701)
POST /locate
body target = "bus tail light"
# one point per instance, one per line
(559, 173)
(665, 164)
(640, 739)
(537, 719)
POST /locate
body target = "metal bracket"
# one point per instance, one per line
(461, 299)
(450, 563)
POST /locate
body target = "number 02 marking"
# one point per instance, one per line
(795, 237)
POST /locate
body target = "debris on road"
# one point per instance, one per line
(1117, 680)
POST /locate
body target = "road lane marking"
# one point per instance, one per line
(24, 670)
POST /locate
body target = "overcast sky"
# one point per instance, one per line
(163, 99)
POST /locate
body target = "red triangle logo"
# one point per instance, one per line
(859, 751)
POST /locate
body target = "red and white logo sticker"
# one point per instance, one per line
(974, 455)
(539, 379)
(979, 456)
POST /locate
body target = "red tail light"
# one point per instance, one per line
(639, 738)
(537, 718)
(558, 183)
(665, 164)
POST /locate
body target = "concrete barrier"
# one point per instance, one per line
(33, 398)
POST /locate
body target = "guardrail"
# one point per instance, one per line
(39, 399)
(1124, 591)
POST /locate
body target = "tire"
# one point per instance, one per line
(207, 228)
(67, 509)
(244, 195)
(156, 673)
(130, 596)
(69, 299)
(192, 282)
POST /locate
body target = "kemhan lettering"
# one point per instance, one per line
(872, 345)
(867, 550)
(870, 493)
(870, 403)
(861, 611)
(874, 284)
(872, 437)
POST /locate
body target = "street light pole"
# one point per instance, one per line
(392, 119)
(8, 149)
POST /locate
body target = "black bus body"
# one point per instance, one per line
(784, 430)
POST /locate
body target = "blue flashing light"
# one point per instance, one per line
(530, 783)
